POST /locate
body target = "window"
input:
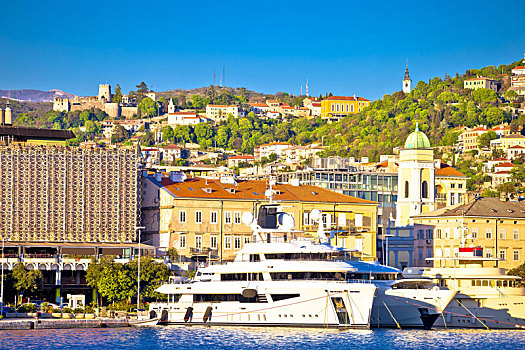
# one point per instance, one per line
(198, 217)
(406, 189)
(213, 217)
(198, 242)
(503, 254)
(460, 185)
(460, 198)
(420, 235)
(420, 254)
(429, 234)
(306, 218)
(438, 233)
(182, 216)
(447, 233)
(228, 242)
(488, 253)
(447, 252)
(246, 239)
(182, 241)
(488, 233)
(452, 199)
(424, 189)
(502, 234)
(452, 185)
(474, 232)
(228, 217)
(516, 234)
(237, 242)
(516, 255)
(237, 217)
(213, 242)
(456, 232)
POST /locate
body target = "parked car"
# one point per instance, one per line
(8, 310)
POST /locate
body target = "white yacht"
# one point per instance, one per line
(487, 297)
(282, 280)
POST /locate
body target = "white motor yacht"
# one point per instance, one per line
(284, 280)
(487, 297)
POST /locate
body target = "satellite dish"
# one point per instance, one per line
(286, 221)
(247, 218)
(315, 214)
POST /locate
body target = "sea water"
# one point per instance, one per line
(197, 337)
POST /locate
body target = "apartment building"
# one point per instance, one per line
(495, 225)
(201, 218)
(221, 112)
(480, 83)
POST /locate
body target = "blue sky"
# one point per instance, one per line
(343, 47)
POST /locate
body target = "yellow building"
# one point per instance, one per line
(416, 193)
(480, 83)
(337, 107)
(201, 218)
(496, 226)
(511, 140)
(451, 186)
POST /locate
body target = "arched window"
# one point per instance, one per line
(406, 189)
(424, 189)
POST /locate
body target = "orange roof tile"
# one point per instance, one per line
(449, 171)
(345, 98)
(273, 143)
(242, 157)
(519, 67)
(254, 190)
(506, 165)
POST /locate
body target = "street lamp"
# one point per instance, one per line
(386, 253)
(139, 228)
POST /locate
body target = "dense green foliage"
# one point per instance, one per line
(25, 280)
(518, 271)
(116, 282)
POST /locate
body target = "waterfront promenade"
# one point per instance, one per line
(34, 323)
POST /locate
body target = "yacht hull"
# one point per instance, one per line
(305, 304)
(496, 313)
(403, 308)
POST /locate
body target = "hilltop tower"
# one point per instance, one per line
(416, 178)
(104, 92)
(407, 82)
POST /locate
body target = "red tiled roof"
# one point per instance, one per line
(345, 98)
(183, 113)
(222, 106)
(273, 143)
(258, 105)
(242, 157)
(519, 67)
(316, 104)
(502, 172)
(272, 101)
(254, 190)
(171, 147)
(449, 171)
(499, 160)
(516, 147)
(479, 79)
(506, 165)
(479, 128)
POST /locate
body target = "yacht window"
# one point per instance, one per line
(255, 257)
(206, 298)
(485, 283)
(277, 297)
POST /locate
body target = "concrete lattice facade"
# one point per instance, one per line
(68, 194)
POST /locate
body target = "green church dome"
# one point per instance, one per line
(417, 139)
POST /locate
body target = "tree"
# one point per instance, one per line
(148, 107)
(510, 95)
(119, 134)
(484, 139)
(26, 280)
(520, 272)
(167, 133)
(117, 96)
(142, 90)
(147, 139)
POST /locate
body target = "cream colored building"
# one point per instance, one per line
(480, 83)
(496, 226)
(511, 140)
(451, 186)
(201, 218)
(468, 140)
(221, 112)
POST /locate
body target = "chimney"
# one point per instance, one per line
(177, 176)
(158, 176)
